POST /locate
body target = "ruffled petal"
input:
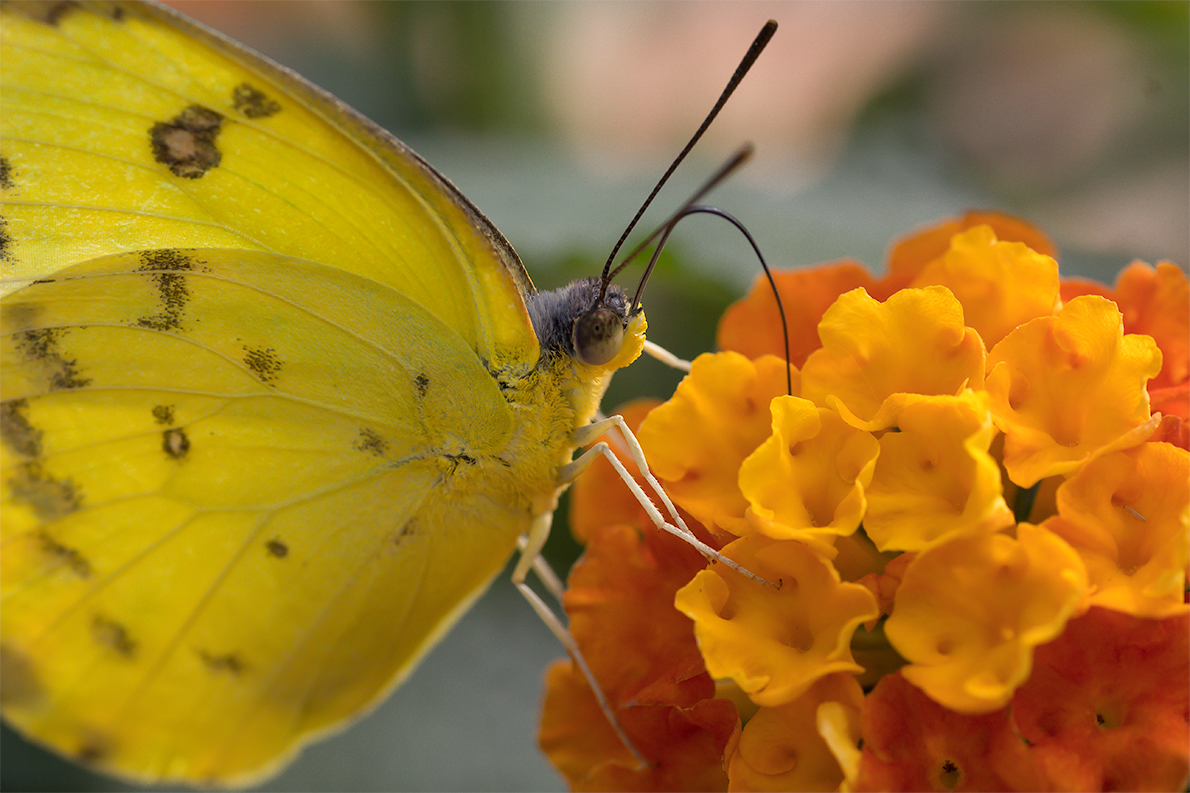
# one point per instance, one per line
(969, 612)
(874, 353)
(807, 480)
(1065, 388)
(1127, 514)
(775, 642)
(696, 441)
(781, 748)
(934, 476)
(1106, 706)
(1000, 284)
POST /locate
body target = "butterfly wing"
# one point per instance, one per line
(256, 456)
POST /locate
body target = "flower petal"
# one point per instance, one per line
(935, 476)
(752, 325)
(969, 612)
(775, 642)
(911, 255)
(1000, 284)
(1127, 514)
(1105, 707)
(807, 480)
(913, 743)
(696, 441)
(873, 353)
(781, 748)
(684, 745)
(1063, 388)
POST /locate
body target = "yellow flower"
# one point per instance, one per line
(807, 480)
(935, 476)
(1128, 515)
(696, 441)
(775, 642)
(1000, 284)
(1065, 388)
(875, 354)
(781, 747)
(969, 612)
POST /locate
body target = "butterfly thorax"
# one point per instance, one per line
(561, 393)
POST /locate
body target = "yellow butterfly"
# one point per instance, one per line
(277, 400)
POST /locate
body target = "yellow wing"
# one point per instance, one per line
(273, 410)
(99, 106)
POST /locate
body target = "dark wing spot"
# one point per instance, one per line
(49, 498)
(422, 384)
(48, 13)
(175, 443)
(94, 750)
(264, 363)
(5, 241)
(5, 173)
(163, 414)
(113, 636)
(187, 142)
(277, 548)
(166, 267)
(42, 346)
(16, 431)
(408, 529)
(252, 102)
(170, 259)
(229, 662)
(19, 684)
(65, 555)
(371, 441)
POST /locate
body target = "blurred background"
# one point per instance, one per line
(870, 119)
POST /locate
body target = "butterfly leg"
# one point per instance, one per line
(531, 545)
(586, 434)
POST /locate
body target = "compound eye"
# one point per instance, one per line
(598, 335)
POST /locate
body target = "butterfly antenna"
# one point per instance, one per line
(758, 45)
(742, 155)
(668, 228)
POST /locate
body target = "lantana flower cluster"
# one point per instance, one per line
(965, 507)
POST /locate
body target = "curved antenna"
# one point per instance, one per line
(742, 155)
(758, 45)
(667, 229)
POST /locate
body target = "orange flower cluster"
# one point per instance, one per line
(967, 529)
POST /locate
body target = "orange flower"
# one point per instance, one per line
(684, 745)
(875, 355)
(913, 743)
(696, 441)
(1127, 514)
(903, 435)
(775, 642)
(1106, 706)
(911, 255)
(1068, 387)
(752, 325)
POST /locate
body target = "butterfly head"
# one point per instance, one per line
(598, 331)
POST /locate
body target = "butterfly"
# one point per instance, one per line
(277, 401)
